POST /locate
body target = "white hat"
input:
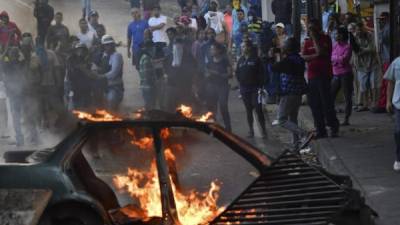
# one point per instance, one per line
(107, 39)
(281, 25)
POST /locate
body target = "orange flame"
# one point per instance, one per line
(205, 117)
(99, 116)
(187, 112)
(193, 207)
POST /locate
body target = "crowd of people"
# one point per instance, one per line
(46, 76)
(207, 51)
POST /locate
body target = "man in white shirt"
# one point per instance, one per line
(392, 75)
(86, 36)
(157, 24)
(215, 20)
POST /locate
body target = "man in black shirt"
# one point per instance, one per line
(58, 34)
(44, 14)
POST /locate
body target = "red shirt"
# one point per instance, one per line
(5, 32)
(320, 66)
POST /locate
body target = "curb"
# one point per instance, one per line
(327, 156)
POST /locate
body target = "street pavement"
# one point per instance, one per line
(364, 150)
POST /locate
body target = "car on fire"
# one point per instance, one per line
(86, 173)
(79, 195)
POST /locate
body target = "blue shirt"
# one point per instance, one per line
(135, 32)
(236, 22)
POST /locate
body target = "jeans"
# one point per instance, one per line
(42, 28)
(114, 97)
(218, 95)
(322, 105)
(397, 133)
(288, 112)
(20, 109)
(251, 103)
(344, 82)
(149, 97)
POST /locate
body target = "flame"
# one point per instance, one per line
(99, 116)
(165, 134)
(205, 117)
(193, 207)
(187, 112)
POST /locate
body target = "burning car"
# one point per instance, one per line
(171, 169)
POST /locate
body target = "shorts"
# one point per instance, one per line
(368, 80)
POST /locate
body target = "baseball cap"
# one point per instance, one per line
(94, 13)
(281, 25)
(107, 39)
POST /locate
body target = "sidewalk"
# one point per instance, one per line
(365, 151)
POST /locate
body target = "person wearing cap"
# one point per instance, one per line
(44, 15)
(94, 24)
(280, 37)
(77, 75)
(58, 34)
(112, 72)
(282, 10)
(135, 35)
(86, 36)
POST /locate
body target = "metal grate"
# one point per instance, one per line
(289, 192)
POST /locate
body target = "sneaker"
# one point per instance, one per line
(305, 141)
(275, 123)
(396, 166)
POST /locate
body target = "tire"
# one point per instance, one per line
(71, 214)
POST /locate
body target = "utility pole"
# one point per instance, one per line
(394, 29)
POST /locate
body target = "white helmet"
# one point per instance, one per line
(107, 39)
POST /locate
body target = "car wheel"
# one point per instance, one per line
(71, 214)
